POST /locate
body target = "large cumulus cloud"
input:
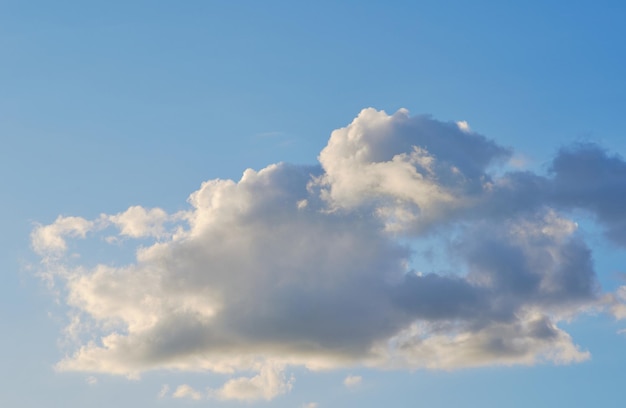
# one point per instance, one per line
(314, 266)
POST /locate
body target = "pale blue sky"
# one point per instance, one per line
(109, 105)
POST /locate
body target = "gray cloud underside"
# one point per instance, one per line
(311, 266)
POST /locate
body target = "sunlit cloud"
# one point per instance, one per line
(313, 265)
(187, 392)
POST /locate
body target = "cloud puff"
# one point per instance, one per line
(316, 265)
(138, 222)
(50, 239)
(589, 178)
(186, 391)
(352, 381)
(413, 170)
(269, 383)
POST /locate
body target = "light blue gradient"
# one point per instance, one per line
(110, 104)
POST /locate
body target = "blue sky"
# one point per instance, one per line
(104, 107)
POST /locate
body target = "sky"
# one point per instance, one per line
(312, 204)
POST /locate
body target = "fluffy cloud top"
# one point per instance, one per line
(412, 170)
(314, 266)
(269, 383)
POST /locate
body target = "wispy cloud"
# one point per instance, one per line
(352, 381)
(165, 389)
(271, 134)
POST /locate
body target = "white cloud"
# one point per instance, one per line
(352, 381)
(310, 405)
(269, 383)
(91, 380)
(187, 392)
(49, 240)
(415, 170)
(309, 266)
(463, 125)
(137, 222)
